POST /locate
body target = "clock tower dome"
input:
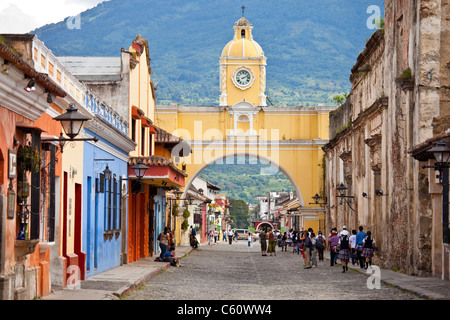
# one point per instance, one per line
(242, 68)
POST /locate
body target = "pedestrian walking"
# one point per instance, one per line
(250, 239)
(352, 240)
(263, 242)
(301, 244)
(333, 242)
(284, 238)
(368, 249)
(272, 244)
(230, 236)
(288, 240)
(224, 235)
(307, 248)
(320, 245)
(314, 250)
(295, 241)
(360, 236)
(235, 235)
(344, 250)
(216, 236)
(163, 238)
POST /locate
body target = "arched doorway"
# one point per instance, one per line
(251, 155)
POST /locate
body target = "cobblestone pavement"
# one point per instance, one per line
(237, 272)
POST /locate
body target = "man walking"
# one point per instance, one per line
(360, 236)
(263, 242)
(230, 236)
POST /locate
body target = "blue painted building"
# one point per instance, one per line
(105, 166)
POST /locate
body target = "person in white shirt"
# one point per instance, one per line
(352, 240)
(250, 238)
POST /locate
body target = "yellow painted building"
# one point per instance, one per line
(290, 138)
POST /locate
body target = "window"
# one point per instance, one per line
(58, 76)
(50, 69)
(242, 33)
(143, 140)
(133, 130)
(42, 61)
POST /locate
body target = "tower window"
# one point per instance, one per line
(243, 34)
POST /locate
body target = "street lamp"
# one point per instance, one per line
(72, 121)
(107, 173)
(139, 170)
(342, 189)
(442, 154)
(316, 199)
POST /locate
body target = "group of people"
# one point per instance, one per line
(359, 247)
(167, 245)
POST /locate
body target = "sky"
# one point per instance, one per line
(22, 16)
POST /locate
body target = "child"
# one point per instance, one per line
(249, 239)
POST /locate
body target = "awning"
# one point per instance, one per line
(136, 113)
(161, 172)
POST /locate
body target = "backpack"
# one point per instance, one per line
(319, 243)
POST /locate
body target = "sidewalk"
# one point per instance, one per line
(423, 287)
(115, 283)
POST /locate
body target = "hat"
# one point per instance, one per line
(344, 232)
(344, 227)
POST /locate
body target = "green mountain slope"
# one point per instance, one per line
(310, 45)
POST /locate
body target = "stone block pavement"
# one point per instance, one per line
(116, 283)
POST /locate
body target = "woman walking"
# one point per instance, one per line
(333, 242)
(368, 246)
(272, 244)
(284, 242)
(344, 251)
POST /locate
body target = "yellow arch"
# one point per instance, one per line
(247, 154)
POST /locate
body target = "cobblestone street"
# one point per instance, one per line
(237, 272)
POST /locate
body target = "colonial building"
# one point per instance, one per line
(30, 168)
(125, 84)
(398, 102)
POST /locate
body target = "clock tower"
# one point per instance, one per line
(242, 68)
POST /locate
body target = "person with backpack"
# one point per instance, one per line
(368, 249)
(320, 245)
(344, 251)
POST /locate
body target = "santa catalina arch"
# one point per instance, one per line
(288, 137)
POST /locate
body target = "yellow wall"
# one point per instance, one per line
(301, 159)
(72, 159)
(141, 96)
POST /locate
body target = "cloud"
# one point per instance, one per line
(14, 20)
(26, 15)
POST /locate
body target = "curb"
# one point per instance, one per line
(127, 289)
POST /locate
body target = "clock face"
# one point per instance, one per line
(243, 77)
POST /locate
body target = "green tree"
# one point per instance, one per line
(239, 213)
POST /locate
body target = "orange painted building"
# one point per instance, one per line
(147, 197)
(29, 167)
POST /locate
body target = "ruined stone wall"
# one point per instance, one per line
(399, 98)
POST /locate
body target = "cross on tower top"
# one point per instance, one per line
(243, 9)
